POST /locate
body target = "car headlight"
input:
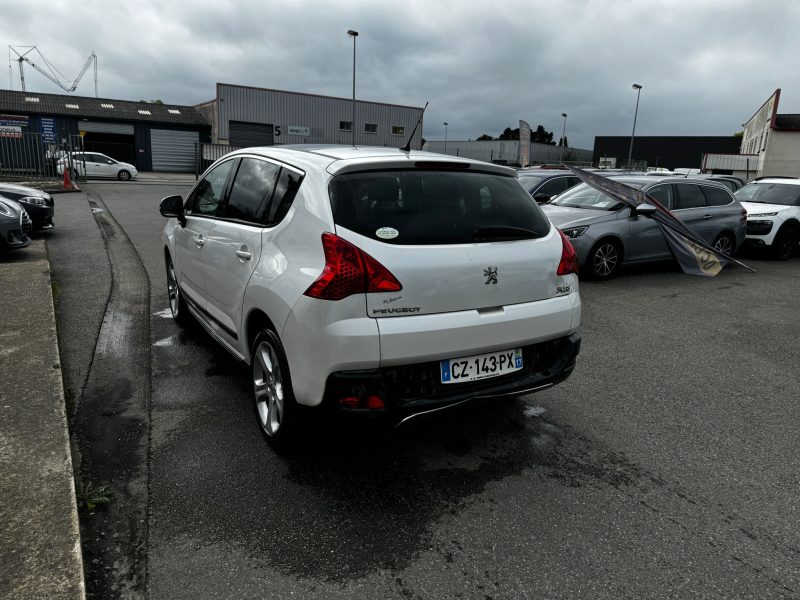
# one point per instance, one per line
(35, 200)
(5, 210)
(575, 232)
(772, 214)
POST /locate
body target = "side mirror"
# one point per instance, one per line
(645, 209)
(541, 198)
(172, 206)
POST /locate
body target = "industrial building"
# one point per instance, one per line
(249, 116)
(507, 152)
(151, 136)
(774, 139)
(671, 152)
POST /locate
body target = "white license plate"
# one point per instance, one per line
(480, 366)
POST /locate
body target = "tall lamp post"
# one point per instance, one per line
(563, 138)
(445, 137)
(638, 89)
(353, 34)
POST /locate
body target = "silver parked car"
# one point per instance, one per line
(607, 234)
(372, 281)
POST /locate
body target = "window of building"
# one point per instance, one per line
(764, 146)
(106, 105)
(370, 128)
(31, 99)
(345, 126)
(398, 130)
(144, 112)
(72, 106)
(173, 111)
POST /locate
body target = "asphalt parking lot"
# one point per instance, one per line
(668, 465)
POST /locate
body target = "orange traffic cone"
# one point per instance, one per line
(67, 180)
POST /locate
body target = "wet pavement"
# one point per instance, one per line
(667, 466)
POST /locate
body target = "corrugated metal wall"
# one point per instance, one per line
(174, 150)
(507, 151)
(320, 115)
(101, 127)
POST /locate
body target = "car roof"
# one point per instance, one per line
(652, 179)
(542, 172)
(338, 159)
(787, 180)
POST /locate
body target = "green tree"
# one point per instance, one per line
(484, 138)
(509, 134)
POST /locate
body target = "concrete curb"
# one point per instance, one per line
(40, 551)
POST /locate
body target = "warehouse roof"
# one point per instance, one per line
(787, 122)
(97, 108)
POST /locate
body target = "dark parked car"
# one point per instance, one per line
(545, 184)
(607, 234)
(37, 203)
(15, 225)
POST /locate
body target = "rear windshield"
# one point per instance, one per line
(435, 207)
(770, 193)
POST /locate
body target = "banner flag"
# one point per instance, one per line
(524, 151)
(693, 253)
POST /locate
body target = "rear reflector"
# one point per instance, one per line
(349, 270)
(569, 258)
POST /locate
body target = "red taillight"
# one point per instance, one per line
(744, 214)
(372, 402)
(349, 270)
(569, 258)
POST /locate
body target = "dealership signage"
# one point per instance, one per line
(13, 121)
(298, 130)
(10, 131)
(48, 130)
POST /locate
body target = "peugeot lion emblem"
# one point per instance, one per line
(491, 275)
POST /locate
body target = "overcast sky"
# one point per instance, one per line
(705, 66)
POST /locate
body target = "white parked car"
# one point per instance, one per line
(372, 280)
(773, 214)
(94, 164)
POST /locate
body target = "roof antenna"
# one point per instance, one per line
(407, 146)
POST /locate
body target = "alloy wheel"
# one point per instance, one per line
(605, 260)
(268, 388)
(724, 244)
(172, 290)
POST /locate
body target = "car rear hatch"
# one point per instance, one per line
(454, 239)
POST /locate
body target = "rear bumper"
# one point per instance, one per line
(413, 390)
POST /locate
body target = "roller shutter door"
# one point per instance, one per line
(98, 127)
(173, 150)
(250, 134)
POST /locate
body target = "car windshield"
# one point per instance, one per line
(786, 194)
(585, 196)
(419, 206)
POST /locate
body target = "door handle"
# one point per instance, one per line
(706, 216)
(244, 255)
(199, 241)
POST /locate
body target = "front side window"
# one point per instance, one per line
(554, 186)
(251, 190)
(345, 126)
(662, 193)
(207, 194)
(370, 128)
(422, 206)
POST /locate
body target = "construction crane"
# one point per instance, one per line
(51, 72)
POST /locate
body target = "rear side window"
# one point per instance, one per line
(251, 190)
(690, 196)
(285, 192)
(435, 207)
(716, 196)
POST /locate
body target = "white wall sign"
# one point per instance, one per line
(298, 130)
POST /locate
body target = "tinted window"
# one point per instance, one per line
(207, 194)
(251, 190)
(663, 193)
(716, 196)
(529, 182)
(690, 196)
(435, 207)
(285, 192)
(554, 186)
(727, 183)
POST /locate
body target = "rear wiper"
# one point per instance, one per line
(504, 231)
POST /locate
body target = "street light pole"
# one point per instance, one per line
(563, 138)
(445, 137)
(638, 89)
(353, 34)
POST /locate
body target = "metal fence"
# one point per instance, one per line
(28, 156)
(206, 154)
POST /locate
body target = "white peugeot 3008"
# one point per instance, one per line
(372, 280)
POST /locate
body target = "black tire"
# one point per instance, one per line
(785, 243)
(277, 412)
(177, 303)
(604, 260)
(124, 175)
(725, 243)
